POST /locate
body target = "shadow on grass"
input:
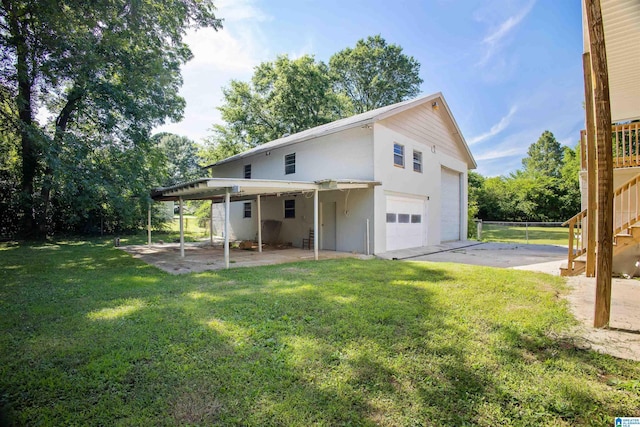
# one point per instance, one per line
(95, 337)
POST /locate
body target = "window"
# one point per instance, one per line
(290, 208)
(290, 164)
(247, 210)
(391, 217)
(247, 171)
(398, 155)
(416, 219)
(417, 161)
(403, 218)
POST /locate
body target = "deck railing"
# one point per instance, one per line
(624, 139)
(626, 213)
(577, 240)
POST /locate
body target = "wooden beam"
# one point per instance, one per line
(591, 166)
(602, 108)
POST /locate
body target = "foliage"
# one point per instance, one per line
(107, 72)
(374, 74)
(179, 158)
(546, 190)
(287, 96)
(544, 156)
(92, 336)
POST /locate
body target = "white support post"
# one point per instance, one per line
(149, 225)
(315, 224)
(367, 239)
(211, 224)
(227, 202)
(181, 229)
(259, 224)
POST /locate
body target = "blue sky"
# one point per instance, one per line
(509, 69)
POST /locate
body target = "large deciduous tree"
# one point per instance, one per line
(375, 74)
(106, 72)
(544, 156)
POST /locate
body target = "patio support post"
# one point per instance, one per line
(211, 224)
(315, 224)
(591, 167)
(149, 225)
(602, 120)
(259, 224)
(227, 202)
(181, 228)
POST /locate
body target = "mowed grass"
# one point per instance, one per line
(91, 336)
(537, 235)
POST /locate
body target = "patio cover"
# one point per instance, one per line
(229, 190)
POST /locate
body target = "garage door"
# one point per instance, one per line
(406, 223)
(450, 207)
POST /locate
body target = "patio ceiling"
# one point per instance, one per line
(215, 189)
(621, 21)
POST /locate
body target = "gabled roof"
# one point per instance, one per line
(358, 120)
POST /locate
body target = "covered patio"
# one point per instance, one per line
(227, 190)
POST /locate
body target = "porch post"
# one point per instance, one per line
(227, 202)
(211, 224)
(591, 167)
(315, 224)
(259, 224)
(149, 225)
(181, 229)
(604, 259)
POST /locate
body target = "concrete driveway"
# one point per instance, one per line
(544, 258)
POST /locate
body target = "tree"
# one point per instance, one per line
(284, 96)
(179, 158)
(374, 74)
(107, 71)
(544, 156)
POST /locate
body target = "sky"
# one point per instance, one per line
(509, 69)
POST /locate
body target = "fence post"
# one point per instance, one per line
(479, 229)
(526, 228)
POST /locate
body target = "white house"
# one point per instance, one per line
(391, 178)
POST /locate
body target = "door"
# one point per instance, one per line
(328, 226)
(450, 197)
(406, 222)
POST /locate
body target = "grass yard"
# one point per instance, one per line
(537, 235)
(91, 336)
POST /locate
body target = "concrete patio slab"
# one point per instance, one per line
(203, 257)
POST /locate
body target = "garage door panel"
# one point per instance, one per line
(450, 209)
(406, 225)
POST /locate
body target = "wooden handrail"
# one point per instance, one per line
(576, 238)
(625, 146)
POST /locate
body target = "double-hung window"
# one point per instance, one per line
(247, 171)
(290, 208)
(398, 155)
(417, 161)
(247, 210)
(290, 164)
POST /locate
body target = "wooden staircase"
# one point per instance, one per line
(626, 223)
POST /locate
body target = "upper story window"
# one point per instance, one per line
(398, 155)
(290, 208)
(417, 161)
(290, 164)
(247, 210)
(247, 171)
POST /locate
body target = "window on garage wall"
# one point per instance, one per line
(290, 208)
(247, 210)
(398, 155)
(247, 171)
(417, 161)
(290, 164)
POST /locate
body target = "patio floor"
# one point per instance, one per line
(203, 256)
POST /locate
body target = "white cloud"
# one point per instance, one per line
(218, 57)
(493, 41)
(495, 129)
(498, 154)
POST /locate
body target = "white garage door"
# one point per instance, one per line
(450, 207)
(406, 223)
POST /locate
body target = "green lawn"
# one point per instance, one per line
(537, 235)
(91, 336)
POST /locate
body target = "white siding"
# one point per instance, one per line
(450, 202)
